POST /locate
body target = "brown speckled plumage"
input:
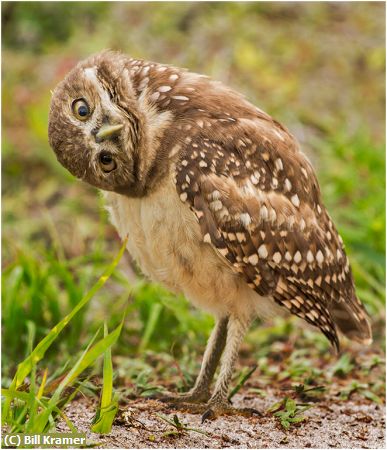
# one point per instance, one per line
(246, 191)
(258, 203)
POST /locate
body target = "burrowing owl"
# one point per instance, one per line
(217, 199)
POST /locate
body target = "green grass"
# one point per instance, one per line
(34, 413)
(107, 411)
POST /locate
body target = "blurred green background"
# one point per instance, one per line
(317, 67)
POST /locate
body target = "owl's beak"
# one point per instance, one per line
(107, 130)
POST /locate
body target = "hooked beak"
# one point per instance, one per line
(108, 130)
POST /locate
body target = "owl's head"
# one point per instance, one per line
(94, 124)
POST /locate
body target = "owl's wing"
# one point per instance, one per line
(258, 204)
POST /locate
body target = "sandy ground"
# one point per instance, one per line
(330, 424)
(333, 420)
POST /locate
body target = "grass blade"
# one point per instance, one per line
(150, 326)
(25, 367)
(103, 420)
(107, 388)
(43, 417)
(241, 382)
(87, 358)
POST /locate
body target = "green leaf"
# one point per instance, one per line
(276, 406)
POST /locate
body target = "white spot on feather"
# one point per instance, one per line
(164, 88)
(297, 257)
(253, 179)
(223, 251)
(245, 219)
(216, 205)
(241, 237)
(264, 213)
(262, 251)
(278, 164)
(287, 185)
(288, 256)
(319, 257)
(287, 304)
(215, 195)
(277, 257)
(154, 96)
(207, 238)
(253, 259)
(295, 200)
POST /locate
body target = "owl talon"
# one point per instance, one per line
(208, 415)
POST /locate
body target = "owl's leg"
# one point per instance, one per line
(201, 390)
(218, 403)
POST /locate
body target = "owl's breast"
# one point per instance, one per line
(165, 240)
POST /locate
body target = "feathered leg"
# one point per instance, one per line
(218, 403)
(201, 390)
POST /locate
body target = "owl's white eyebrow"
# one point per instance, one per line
(91, 75)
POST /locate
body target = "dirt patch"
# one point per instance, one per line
(330, 423)
(344, 396)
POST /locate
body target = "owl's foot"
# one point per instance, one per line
(194, 396)
(212, 410)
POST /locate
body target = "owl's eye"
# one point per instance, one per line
(107, 162)
(81, 109)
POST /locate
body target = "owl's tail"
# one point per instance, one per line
(352, 320)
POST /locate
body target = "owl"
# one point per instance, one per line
(216, 198)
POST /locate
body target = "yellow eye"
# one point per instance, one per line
(81, 109)
(107, 162)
